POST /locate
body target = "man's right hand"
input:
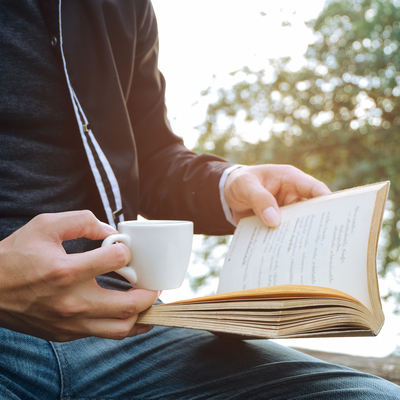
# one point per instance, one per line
(47, 293)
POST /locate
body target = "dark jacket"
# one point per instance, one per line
(109, 50)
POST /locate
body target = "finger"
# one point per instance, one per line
(261, 201)
(116, 329)
(98, 261)
(139, 329)
(105, 303)
(119, 327)
(291, 199)
(270, 216)
(72, 225)
(134, 301)
(289, 184)
(308, 187)
(107, 328)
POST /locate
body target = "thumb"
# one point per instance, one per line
(246, 197)
(270, 216)
(265, 207)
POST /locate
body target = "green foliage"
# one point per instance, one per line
(337, 118)
(212, 254)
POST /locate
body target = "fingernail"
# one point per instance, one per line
(270, 217)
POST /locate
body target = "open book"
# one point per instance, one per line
(314, 275)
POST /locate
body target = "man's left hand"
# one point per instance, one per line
(262, 189)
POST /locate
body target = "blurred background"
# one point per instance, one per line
(315, 84)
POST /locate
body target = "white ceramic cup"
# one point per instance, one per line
(160, 252)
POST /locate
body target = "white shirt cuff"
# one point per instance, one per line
(225, 207)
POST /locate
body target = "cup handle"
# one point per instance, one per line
(126, 272)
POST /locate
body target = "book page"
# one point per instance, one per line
(321, 242)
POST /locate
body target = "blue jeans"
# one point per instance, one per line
(174, 364)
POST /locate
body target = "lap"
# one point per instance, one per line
(175, 364)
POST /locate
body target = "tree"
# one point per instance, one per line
(337, 118)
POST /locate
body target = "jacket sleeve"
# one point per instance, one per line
(175, 183)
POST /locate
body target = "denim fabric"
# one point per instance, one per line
(174, 364)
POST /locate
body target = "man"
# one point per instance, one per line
(83, 127)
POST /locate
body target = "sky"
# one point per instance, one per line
(201, 43)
